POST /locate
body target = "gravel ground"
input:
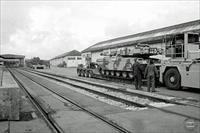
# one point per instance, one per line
(136, 99)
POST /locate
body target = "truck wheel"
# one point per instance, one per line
(86, 73)
(118, 74)
(100, 71)
(124, 74)
(83, 73)
(104, 72)
(79, 73)
(130, 75)
(172, 79)
(112, 73)
(90, 74)
(107, 73)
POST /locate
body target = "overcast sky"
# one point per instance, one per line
(47, 29)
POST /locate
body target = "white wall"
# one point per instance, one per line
(71, 61)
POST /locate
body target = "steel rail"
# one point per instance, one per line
(143, 105)
(98, 92)
(104, 119)
(48, 119)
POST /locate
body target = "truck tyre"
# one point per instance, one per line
(104, 72)
(172, 79)
(79, 73)
(112, 73)
(83, 73)
(130, 75)
(118, 74)
(124, 74)
(90, 74)
(86, 73)
(107, 73)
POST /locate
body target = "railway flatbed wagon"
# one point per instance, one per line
(118, 66)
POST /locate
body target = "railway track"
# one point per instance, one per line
(130, 82)
(55, 128)
(94, 114)
(60, 78)
(163, 98)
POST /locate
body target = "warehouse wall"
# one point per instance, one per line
(71, 61)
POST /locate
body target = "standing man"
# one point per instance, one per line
(137, 74)
(151, 72)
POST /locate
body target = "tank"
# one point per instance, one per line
(119, 66)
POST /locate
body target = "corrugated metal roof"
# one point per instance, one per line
(12, 56)
(71, 53)
(145, 36)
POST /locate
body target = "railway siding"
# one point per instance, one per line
(131, 92)
(68, 117)
(164, 120)
(185, 94)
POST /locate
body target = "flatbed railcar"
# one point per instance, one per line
(117, 66)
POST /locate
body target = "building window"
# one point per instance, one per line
(71, 58)
(79, 58)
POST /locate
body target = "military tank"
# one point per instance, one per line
(118, 64)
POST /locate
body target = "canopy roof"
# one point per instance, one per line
(148, 36)
(71, 53)
(12, 56)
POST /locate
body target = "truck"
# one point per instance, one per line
(183, 68)
(179, 66)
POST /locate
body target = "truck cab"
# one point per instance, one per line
(183, 68)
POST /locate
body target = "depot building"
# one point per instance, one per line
(69, 59)
(12, 60)
(154, 38)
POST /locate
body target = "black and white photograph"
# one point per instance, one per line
(99, 66)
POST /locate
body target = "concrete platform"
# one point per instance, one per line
(7, 80)
(9, 96)
(154, 121)
(17, 114)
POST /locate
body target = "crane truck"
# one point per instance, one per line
(183, 68)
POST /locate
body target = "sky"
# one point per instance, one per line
(46, 29)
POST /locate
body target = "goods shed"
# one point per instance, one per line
(68, 59)
(155, 38)
(12, 60)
